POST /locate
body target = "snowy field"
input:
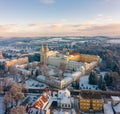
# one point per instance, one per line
(85, 85)
(84, 82)
(1, 105)
(115, 41)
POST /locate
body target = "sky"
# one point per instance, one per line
(31, 18)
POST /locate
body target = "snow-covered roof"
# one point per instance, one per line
(64, 93)
(76, 74)
(35, 111)
(116, 98)
(67, 79)
(41, 102)
(41, 77)
(24, 70)
(66, 100)
(117, 108)
(51, 72)
(108, 109)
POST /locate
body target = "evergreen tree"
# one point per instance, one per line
(108, 79)
(37, 73)
(116, 67)
(93, 78)
(101, 83)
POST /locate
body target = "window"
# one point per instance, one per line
(68, 106)
(62, 105)
(65, 105)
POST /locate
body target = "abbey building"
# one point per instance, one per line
(71, 61)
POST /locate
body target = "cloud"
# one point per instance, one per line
(59, 29)
(100, 18)
(47, 1)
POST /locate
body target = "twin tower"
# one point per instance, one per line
(44, 52)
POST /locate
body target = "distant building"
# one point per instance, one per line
(9, 63)
(18, 61)
(1, 56)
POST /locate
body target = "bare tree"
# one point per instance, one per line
(62, 67)
(24, 88)
(40, 68)
(18, 110)
(7, 83)
(14, 72)
(2, 72)
(33, 65)
(23, 78)
(45, 70)
(8, 101)
(16, 92)
(1, 87)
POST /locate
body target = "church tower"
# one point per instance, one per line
(42, 51)
(46, 54)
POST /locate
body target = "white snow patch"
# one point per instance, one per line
(85, 85)
(1, 105)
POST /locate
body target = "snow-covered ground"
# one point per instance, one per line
(1, 105)
(63, 111)
(84, 82)
(103, 73)
(115, 41)
(85, 85)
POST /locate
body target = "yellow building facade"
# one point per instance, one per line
(84, 58)
(95, 104)
(85, 104)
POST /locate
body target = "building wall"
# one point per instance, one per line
(18, 61)
(89, 58)
(84, 104)
(95, 104)
(84, 58)
(55, 61)
(74, 58)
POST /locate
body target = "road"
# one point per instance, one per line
(77, 92)
(76, 105)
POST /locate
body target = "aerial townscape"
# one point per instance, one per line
(59, 56)
(59, 75)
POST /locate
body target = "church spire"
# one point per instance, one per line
(42, 54)
(42, 48)
(47, 49)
